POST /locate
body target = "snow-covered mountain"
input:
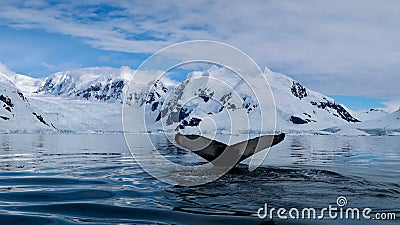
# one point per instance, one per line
(90, 99)
(386, 125)
(83, 100)
(300, 108)
(203, 96)
(208, 99)
(17, 114)
(99, 84)
(371, 114)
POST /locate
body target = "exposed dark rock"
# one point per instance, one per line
(154, 106)
(204, 97)
(192, 123)
(40, 118)
(104, 92)
(6, 101)
(6, 107)
(22, 96)
(248, 104)
(205, 94)
(298, 120)
(150, 98)
(47, 87)
(341, 111)
(298, 90)
(225, 98)
(174, 116)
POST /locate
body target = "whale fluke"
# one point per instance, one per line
(221, 154)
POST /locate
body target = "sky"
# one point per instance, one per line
(345, 49)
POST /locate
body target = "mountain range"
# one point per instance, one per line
(90, 100)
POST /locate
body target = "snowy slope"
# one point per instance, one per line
(17, 114)
(389, 124)
(82, 116)
(391, 121)
(24, 83)
(205, 99)
(371, 114)
(300, 108)
(84, 100)
(351, 132)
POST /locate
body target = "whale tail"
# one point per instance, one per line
(221, 154)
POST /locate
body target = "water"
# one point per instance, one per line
(92, 179)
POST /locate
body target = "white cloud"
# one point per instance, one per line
(392, 105)
(5, 70)
(6, 75)
(335, 47)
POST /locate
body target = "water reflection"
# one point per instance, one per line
(44, 175)
(298, 152)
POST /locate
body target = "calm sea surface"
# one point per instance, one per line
(92, 179)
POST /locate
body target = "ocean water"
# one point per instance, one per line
(92, 179)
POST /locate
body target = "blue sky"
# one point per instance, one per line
(39, 53)
(359, 102)
(345, 49)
